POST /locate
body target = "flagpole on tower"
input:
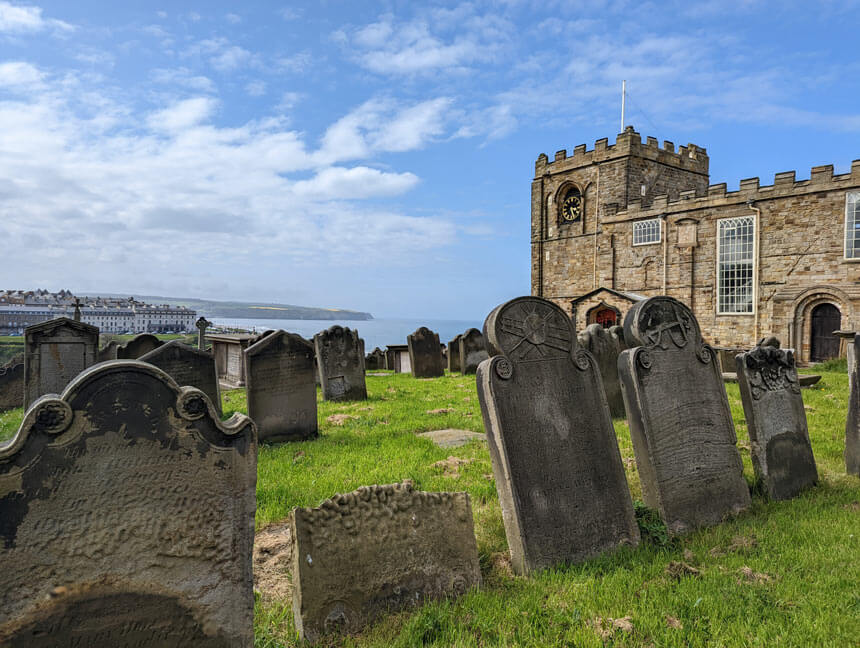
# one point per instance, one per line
(623, 95)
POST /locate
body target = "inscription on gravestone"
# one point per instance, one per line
(282, 396)
(55, 352)
(680, 422)
(376, 550)
(606, 344)
(425, 353)
(127, 517)
(340, 361)
(472, 351)
(773, 407)
(454, 353)
(188, 366)
(852, 425)
(556, 462)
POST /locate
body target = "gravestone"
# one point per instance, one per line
(127, 517)
(852, 425)
(606, 344)
(389, 358)
(557, 467)
(341, 364)
(12, 386)
(55, 352)
(108, 352)
(138, 346)
(379, 549)
(425, 353)
(773, 408)
(282, 397)
(229, 358)
(472, 351)
(680, 422)
(375, 360)
(187, 366)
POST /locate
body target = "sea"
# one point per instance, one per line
(376, 332)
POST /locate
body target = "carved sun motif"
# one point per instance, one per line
(530, 330)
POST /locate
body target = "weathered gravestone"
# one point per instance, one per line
(188, 366)
(138, 346)
(558, 471)
(108, 351)
(282, 396)
(341, 364)
(606, 344)
(375, 360)
(852, 425)
(201, 325)
(379, 549)
(472, 351)
(55, 352)
(773, 407)
(454, 353)
(680, 421)
(12, 386)
(425, 353)
(127, 517)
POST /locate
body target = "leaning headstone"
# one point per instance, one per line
(12, 386)
(375, 360)
(55, 352)
(341, 364)
(606, 344)
(379, 549)
(472, 351)
(138, 346)
(680, 422)
(852, 425)
(108, 352)
(557, 467)
(773, 407)
(127, 517)
(188, 366)
(425, 353)
(282, 397)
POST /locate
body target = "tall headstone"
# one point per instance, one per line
(138, 346)
(454, 353)
(425, 353)
(127, 517)
(379, 549)
(773, 407)
(472, 351)
(558, 471)
(852, 425)
(680, 422)
(341, 364)
(187, 366)
(55, 352)
(202, 324)
(606, 344)
(12, 386)
(282, 396)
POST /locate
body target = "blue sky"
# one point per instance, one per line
(375, 156)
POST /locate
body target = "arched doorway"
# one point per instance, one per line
(603, 314)
(826, 318)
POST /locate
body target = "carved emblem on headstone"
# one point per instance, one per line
(771, 369)
(534, 330)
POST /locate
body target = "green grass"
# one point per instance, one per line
(803, 588)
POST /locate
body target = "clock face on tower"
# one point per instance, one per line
(571, 206)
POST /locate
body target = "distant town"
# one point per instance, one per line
(20, 309)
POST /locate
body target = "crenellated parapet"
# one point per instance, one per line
(629, 143)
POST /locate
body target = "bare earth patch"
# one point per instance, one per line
(750, 576)
(606, 627)
(672, 622)
(340, 419)
(451, 466)
(441, 410)
(273, 559)
(677, 569)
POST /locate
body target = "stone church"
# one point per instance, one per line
(635, 219)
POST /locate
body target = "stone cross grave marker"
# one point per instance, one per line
(558, 470)
(137, 346)
(188, 366)
(202, 324)
(127, 517)
(282, 396)
(680, 421)
(454, 353)
(606, 344)
(472, 351)
(340, 361)
(379, 549)
(425, 353)
(55, 352)
(773, 407)
(77, 314)
(852, 425)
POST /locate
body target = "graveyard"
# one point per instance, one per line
(781, 572)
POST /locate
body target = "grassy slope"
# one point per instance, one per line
(803, 553)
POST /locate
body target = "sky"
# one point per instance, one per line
(374, 155)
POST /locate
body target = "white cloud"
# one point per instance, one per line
(233, 19)
(357, 182)
(18, 19)
(222, 54)
(256, 88)
(182, 115)
(20, 75)
(183, 77)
